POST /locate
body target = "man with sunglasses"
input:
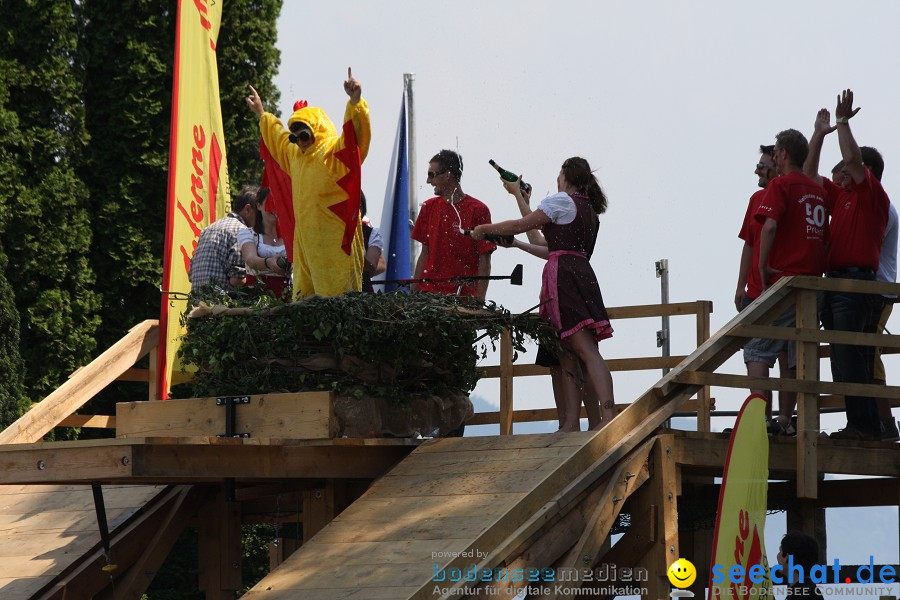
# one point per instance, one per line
(325, 171)
(749, 287)
(446, 251)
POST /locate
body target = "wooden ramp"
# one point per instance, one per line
(46, 530)
(454, 503)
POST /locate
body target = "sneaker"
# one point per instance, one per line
(776, 427)
(889, 432)
(852, 433)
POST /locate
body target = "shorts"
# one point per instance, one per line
(765, 351)
(746, 301)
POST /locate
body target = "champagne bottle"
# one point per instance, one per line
(510, 176)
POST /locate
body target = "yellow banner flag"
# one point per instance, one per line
(198, 178)
(739, 567)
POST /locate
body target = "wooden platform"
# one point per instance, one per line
(45, 529)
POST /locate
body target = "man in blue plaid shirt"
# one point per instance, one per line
(217, 259)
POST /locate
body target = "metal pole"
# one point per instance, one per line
(408, 80)
(662, 336)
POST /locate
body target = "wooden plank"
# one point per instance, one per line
(703, 399)
(506, 383)
(809, 334)
(75, 392)
(96, 421)
(807, 408)
(137, 375)
(641, 311)
(47, 466)
(306, 415)
(790, 385)
(532, 415)
(833, 284)
(152, 377)
(643, 363)
(451, 484)
(706, 452)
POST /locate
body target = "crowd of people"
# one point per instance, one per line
(798, 223)
(801, 223)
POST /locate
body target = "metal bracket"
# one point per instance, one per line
(230, 403)
(661, 337)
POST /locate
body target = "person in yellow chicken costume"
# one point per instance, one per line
(325, 182)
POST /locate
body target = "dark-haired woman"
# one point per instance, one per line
(261, 247)
(570, 294)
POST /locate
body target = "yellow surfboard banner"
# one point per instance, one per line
(198, 178)
(741, 517)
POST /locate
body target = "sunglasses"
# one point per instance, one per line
(763, 166)
(432, 174)
(302, 135)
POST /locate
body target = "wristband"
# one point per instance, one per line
(841, 121)
(266, 262)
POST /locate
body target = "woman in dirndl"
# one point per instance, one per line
(570, 294)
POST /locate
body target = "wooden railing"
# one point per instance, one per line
(507, 371)
(812, 394)
(58, 408)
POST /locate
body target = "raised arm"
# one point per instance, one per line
(522, 200)
(357, 112)
(821, 128)
(849, 149)
(274, 134)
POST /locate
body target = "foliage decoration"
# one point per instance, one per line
(396, 346)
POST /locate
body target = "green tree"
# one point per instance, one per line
(49, 241)
(247, 56)
(12, 369)
(127, 94)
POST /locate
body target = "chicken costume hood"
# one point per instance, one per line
(325, 188)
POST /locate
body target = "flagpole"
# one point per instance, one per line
(408, 79)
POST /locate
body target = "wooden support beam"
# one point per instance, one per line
(808, 333)
(319, 509)
(627, 478)
(804, 515)
(219, 544)
(84, 385)
(704, 309)
(705, 453)
(807, 409)
(137, 579)
(789, 385)
(506, 383)
(85, 578)
(97, 421)
(177, 460)
(661, 491)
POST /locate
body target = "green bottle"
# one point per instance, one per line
(510, 176)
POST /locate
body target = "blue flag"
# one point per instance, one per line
(395, 215)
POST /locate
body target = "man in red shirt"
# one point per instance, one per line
(749, 285)
(446, 251)
(859, 214)
(791, 242)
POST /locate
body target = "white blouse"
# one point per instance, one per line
(559, 207)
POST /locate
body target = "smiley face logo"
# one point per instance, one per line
(682, 573)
